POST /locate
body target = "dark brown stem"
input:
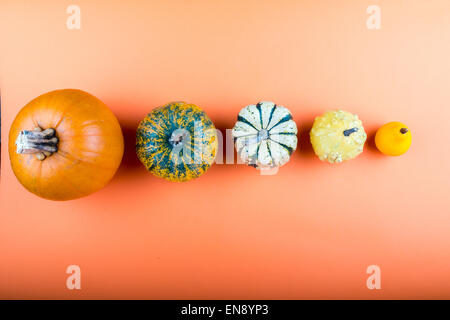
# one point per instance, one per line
(350, 131)
(42, 143)
(403, 130)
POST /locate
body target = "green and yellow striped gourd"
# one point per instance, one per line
(177, 141)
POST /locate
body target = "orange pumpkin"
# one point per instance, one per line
(65, 144)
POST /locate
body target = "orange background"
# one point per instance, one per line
(309, 231)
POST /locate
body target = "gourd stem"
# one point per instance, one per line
(178, 137)
(42, 143)
(403, 130)
(350, 131)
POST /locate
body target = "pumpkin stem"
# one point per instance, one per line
(42, 143)
(263, 134)
(178, 137)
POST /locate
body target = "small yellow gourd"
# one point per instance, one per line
(337, 136)
(393, 138)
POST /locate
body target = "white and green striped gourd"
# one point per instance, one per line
(265, 135)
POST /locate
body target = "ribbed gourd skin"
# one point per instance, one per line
(265, 135)
(179, 163)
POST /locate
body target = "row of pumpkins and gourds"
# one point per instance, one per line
(66, 144)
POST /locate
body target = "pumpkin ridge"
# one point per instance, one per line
(65, 111)
(282, 120)
(39, 176)
(287, 133)
(245, 136)
(258, 106)
(81, 150)
(257, 150)
(270, 153)
(241, 119)
(271, 115)
(69, 183)
(78, 161)
(289, 149)
(83, 135)
(94, 122)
